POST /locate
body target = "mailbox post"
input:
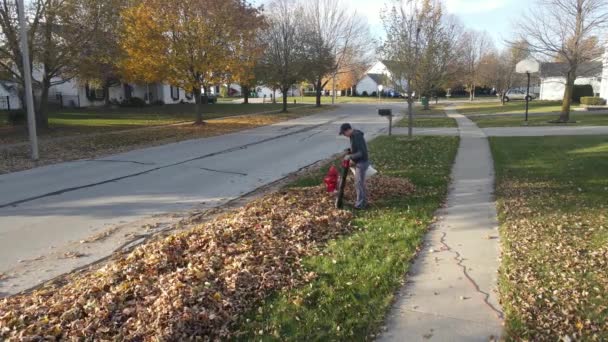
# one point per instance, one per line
(387, 113)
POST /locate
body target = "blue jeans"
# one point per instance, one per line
(360, 170)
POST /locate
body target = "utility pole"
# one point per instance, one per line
(410, 114)
(27, 78)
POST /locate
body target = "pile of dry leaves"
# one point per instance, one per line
(190, 284)
(382, 187)
(195, 283)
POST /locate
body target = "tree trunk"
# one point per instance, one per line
(285, 90)
(410, 115)
(567, 100)
(198, 99)
(42, 117)
(204, 97)
(106, 93)
(472, 92)
(245, 91)
(318, 92)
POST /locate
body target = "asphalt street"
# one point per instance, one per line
(45, 212)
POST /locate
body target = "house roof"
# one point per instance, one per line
(378, 78)
(390, 65)
(591, 69)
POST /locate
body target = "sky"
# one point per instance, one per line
(494, 16)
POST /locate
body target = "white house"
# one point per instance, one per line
(379, 74)
(553, 80)
(75, 94)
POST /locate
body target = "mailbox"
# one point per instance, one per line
(385, 112)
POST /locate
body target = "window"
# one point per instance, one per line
(174, 93)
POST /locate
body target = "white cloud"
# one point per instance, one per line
(473, 6)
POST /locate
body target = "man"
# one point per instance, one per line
(358, 156)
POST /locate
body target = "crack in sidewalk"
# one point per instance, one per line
(459, 259)
(118, 161)
(222, 171)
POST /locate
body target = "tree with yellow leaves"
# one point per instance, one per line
(191, 44)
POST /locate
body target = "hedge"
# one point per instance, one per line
(592, 101)
(581, 90)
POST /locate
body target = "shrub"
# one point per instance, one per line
(581, 90)
(17, 117)
(364, 93)
(592, 101)
(133, 102)
(374, 94)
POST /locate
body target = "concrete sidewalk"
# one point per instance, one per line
(450, 291)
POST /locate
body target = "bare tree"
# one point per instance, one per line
(562, 30)
(336, 40)
(476, 46)
(420, 46)
(497, 69)
(282, 63)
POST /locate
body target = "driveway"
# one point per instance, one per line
(54, 219)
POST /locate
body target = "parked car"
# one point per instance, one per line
(517, 94)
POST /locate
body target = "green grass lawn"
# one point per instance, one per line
(95, 120)
(553, 203)
(152, 115)
(579, 119)
(429, 122)
(512, 107)
(359, 274)
(342, 99)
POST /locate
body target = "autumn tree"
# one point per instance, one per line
(420, 47)
(248, 50)
(193, 46)
(336, 40)
(283, 63)
(565, 30)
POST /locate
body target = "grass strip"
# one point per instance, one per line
(552, 199)
(540, 120)
(359, 274)
(429, 122)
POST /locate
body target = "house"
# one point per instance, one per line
(75, 94)
(379, 74)
(553, 79)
